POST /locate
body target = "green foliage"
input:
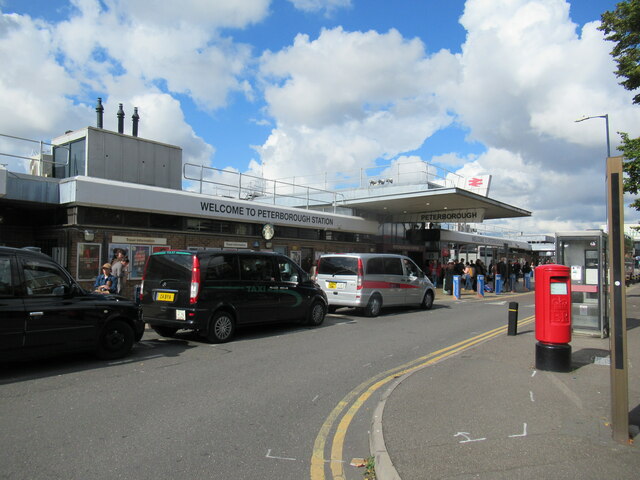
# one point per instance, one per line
(630, 149)
(370, 469)
(622, 26)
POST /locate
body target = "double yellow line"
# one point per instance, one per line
(359, 395)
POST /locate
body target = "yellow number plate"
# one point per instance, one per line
(165, 297)
(336, 285)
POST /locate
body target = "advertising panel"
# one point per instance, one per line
(89, 255)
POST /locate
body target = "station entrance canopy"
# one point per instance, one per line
(442, 205)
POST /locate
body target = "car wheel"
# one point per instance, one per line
(116, 340)
(316, 314)
(221, 328)
(427, 301)
(165, 331)
(373, 307)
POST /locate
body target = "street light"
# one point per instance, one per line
(606, 118)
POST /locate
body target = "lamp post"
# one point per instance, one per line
(606, 119)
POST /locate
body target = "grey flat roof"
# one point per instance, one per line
(422, 201)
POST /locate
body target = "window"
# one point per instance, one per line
(411, 268)
(6, 285)
(393, 266)
(375, 266)
(338, 266)
(221, 268)
(43, 278)
(76, 155)
(288, 270)
(256, 268)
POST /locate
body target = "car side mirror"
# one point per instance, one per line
(61, 290)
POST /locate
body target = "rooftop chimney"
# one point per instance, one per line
(120, 119)
(136, 118)
(99, 112)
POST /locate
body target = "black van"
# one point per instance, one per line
(213, 292)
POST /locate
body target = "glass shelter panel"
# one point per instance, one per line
(586, 257)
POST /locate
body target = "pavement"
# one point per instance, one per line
(488, 413)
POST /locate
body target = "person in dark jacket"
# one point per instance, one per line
(502, 270)
(448, 279)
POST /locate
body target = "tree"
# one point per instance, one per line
(630, 149)
(623, 27)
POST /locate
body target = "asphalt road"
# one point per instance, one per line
(279, 402)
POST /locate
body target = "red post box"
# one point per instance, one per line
(553, 318)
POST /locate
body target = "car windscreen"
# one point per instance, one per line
(172, 270)
(338, 266)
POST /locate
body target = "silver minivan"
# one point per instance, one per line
(371, 281)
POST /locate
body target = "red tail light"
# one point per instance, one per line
(195, 281)
(360, 275)
(140, 294)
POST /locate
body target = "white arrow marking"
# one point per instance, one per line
(467, 438)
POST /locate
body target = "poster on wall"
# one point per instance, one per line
(296, 256)
(138, 259)
(114, 248)
(160, 248)
(89, 255)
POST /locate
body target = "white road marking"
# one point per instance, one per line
(268, 455)
(523, 434)
(467, 437)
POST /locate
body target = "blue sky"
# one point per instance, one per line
(283, 87)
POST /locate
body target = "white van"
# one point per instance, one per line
(371, 281)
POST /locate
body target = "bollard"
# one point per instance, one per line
(480, 286)
(498, 284)
(456, 286)
(513, 319)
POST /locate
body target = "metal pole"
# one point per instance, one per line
(617, 289)
(606, 118)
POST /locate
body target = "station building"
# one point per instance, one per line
(93, 191)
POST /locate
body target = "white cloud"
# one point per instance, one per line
(346, 99)
(329, 6)
(210, 14)
(140, 60)
(33, 86)
(527, 74)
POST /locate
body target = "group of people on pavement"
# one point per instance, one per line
(511, 272)
(113, 276)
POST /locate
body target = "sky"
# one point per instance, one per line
(294, 88)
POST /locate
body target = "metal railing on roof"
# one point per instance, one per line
(226, 183)
(402, 173)
(38, 156)
(320, 189)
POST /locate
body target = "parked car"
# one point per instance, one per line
(214, 292)
(44, 311)
(370, 281)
